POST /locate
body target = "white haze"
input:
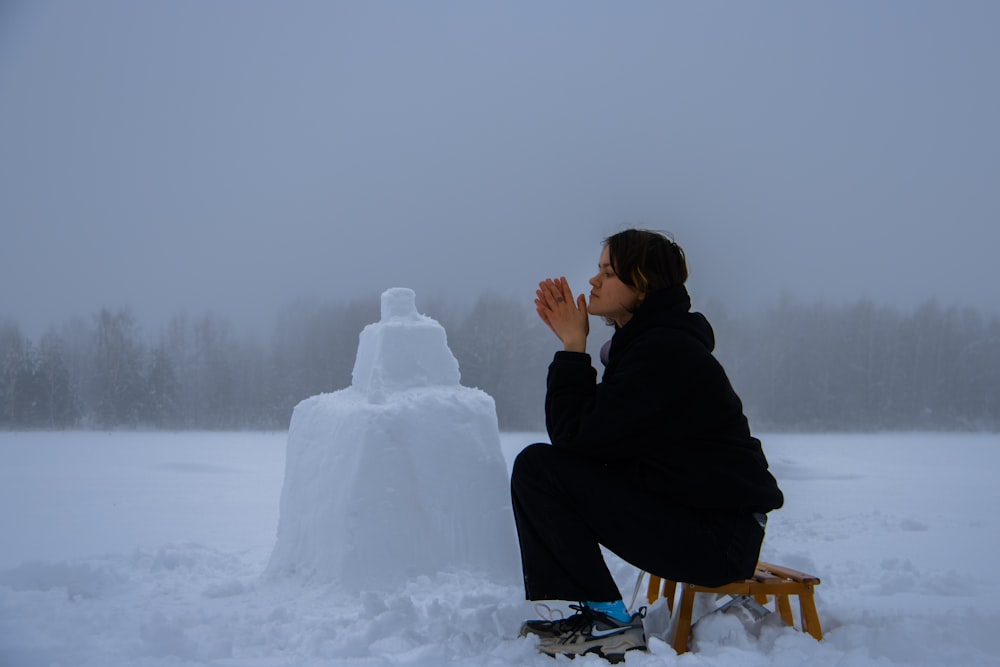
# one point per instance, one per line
(232, 156)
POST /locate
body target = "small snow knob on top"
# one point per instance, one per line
(399, 302)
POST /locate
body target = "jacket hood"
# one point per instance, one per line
(671, 308)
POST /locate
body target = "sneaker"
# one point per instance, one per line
(590, 631)
(551, 625)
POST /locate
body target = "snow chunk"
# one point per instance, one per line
(399, 475)
(80, 580)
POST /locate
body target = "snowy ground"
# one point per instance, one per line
(147, 548)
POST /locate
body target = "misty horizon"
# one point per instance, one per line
(816, 367)
(441, 305)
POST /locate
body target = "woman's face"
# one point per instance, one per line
(610, 297)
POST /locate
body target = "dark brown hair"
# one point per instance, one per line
(646, 260)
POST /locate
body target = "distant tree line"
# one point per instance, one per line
(861, 367)
(818, 367)
(197, 373)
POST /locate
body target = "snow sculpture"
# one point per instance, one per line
(400, 474)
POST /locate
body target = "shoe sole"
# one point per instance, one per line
(615, 658)
(611, 651)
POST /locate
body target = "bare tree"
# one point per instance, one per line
(118, 385)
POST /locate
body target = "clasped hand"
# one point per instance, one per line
(566, 316)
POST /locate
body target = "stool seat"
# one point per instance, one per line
(769, 580)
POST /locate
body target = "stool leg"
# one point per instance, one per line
(784, 608)
(669, 592)
(810, 619)
(683, 631)
(653, 589)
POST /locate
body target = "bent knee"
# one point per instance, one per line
(530, 454)
(530, 460)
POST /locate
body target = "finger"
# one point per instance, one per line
(544, 299)
(558, 291)
(551, 293)
(564, 290)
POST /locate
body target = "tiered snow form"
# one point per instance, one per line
(400, 474)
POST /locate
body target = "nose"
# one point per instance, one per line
(593, 281)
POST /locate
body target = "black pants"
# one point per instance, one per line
(566, 506)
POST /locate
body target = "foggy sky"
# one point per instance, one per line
(233, 156)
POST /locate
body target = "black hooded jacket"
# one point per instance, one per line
(664, 410)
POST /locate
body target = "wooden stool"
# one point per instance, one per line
(768, 580)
